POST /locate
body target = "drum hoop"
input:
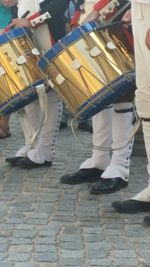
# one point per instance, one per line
(84, 109)
(68, 40)
(13, 34)
(7, 106)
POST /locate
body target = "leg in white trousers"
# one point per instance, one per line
(44, 148)
(102, 138)
(112, 130)
(140, 25)
(122, 126)
(140, 15)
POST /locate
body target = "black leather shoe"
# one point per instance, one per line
(26, 163)
(85, 126)
(82, 176)
(106, 186)
(146, 220)
(13, 161)
(131, 206)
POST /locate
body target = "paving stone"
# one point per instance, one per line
(45, 257)
(25, 264)
(72, 254)
(45, 248)
(46, 240)
(72, 262)
(20, 241)
(18, 256)
(24, 233)
(44, 223)
(21, 248)
(3, 264)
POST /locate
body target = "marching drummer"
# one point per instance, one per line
(46, 19)
(112, 127)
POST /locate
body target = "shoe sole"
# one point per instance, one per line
(108, 191)
(15, 163)
(81, 182)
(137, 210)
(24, 166)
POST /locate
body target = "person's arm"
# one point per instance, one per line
(127, 17)
(9, 3)
(49, 10)
(78, 11)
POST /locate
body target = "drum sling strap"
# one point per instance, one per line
(31, 138)
(146, 119)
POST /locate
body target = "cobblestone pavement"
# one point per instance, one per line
(47, 224)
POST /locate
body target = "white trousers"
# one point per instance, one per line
(44, 147)
(112, 130)
(141, 23)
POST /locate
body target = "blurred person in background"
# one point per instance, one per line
(7, 13)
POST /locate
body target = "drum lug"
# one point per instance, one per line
(111, 46)
(95, 51)
(60, 79)
(2, 71)
(21, 60)
(76, 64)
(50, 83)
(35, 51)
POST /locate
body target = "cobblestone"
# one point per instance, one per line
(44, 223)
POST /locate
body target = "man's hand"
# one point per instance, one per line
(147, 39)
(9, 3)
(19, 23)
(127, 17)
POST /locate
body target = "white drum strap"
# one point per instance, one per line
(42, 96)
(26, 125)
(30, 134)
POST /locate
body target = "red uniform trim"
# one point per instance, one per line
(34, 16)
(75, 18)
(100, 4)
(129, 37)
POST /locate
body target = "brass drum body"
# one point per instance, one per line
(112, 12)
(88, 70)
(19, 71)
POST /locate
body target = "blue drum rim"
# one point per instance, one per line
(13, 34)
(6, 108)
(108, 99)
(64, 42)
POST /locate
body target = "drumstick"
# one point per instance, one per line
(22, 17)
(117, 23)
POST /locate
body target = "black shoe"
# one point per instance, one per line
(26, 163)
(85, 126)
(63, 125)
(106, 186)
(13, 161)
(146, 220)
(131, 206)
(82, 176)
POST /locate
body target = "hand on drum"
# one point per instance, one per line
(9, 3)
(21, 22)
(127, 18)
(93, 15)
(147, 39)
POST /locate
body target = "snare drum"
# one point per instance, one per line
(88, 70)
(19, 71)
